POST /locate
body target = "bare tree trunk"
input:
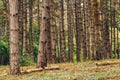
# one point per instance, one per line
(84, 31)
(106, 40)
(87, 29)
(31, 51)
(20, 20)
(62, 33)
(14, 38)
(70, 20)
(24, 26)
(44, 36)
(96, 20)
(52, 31)
(79, 28)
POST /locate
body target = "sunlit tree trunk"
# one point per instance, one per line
(14, 38)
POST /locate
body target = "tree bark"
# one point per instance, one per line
(14, 38)
(52, 31)
(24, 27)
(44, 36)
(62, 33)
(31, 50)
(70, 20)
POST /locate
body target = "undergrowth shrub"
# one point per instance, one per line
(4, 53)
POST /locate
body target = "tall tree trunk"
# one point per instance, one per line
(96, 20)
(84, 31)
(31, 51)
(106, 40)
(44, 36)
(14, 38)
(52, 31)
(20, 20)
(111, 23)
(87, 29)
(70, 20)
(24, 26)
(62, 33)
(79, 28)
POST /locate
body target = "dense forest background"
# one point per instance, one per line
(58, 31)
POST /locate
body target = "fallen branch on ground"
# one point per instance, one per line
(40, 69)
(108, 63)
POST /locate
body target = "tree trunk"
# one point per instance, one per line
(106, 40)
(44, 36)
(24, 26)
(62, 33)
(14, 38)
(70, 20)
(87, 28)
(79, 28)
(31, 51)
(52, 31)
(96, 22)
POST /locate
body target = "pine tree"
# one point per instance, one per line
(14, 38)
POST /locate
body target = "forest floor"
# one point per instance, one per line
(69, 71)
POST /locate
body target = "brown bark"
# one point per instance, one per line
(108, 63)
(84, 30)
(96, 22)
(24, 26)
(14, 38)
(70, 20)
(31, 51)
(79, 28)
(40, 69)
(20, 20)
(52, 31)
(44, 36)
(106, 40)
(87, 28)
(62, 33)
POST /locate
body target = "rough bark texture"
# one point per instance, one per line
(106, 40)
(84, 30)
(44, 36)
(52, 31)
(31, 27)
(14, 38)
(24, 26)
(70, 20)
(87, 28)
(62, 33)
(79, 28)
(20, 20)
(96, 22)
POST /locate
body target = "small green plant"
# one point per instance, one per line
(26, 62)
(4, 54)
